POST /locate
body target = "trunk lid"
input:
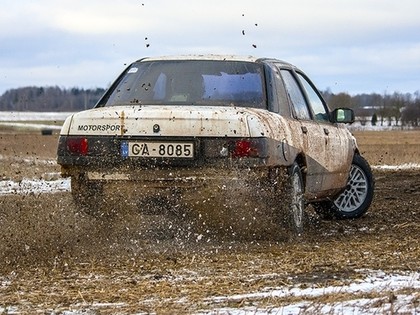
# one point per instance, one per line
(167, 121)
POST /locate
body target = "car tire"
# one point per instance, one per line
(357, 197)
(295, 208)
(87, 195)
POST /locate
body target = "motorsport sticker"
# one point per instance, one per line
(104, 127)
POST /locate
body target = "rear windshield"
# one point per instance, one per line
(222, 83)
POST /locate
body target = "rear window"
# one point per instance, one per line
(190, 82)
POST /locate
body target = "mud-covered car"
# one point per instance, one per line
(233, 131)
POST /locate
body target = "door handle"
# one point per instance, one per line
(304, 129)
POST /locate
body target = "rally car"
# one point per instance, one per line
(226, 129)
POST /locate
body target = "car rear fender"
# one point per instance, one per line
(283, 132)
(66, 126)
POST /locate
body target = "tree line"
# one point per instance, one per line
(49, 99)
(378, 109)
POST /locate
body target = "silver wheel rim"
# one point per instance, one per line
(355, 194)
(297, 201)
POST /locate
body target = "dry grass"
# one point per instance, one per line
(389, 147)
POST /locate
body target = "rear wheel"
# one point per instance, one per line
(355, 200)
(295, 210)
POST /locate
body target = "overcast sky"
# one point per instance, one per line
(354, 46)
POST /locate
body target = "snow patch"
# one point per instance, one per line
(378, 282)
(34, 116)
(28, 186)
(27, 125)
(28, 160)
(372, 283)
(405, 166)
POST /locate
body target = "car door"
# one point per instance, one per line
(309, 134)
(331, 137)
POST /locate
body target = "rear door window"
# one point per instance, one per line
(299, 107)
(316, 103)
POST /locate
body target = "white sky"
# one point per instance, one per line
(354, 46)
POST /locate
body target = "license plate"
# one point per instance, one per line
(157, 149)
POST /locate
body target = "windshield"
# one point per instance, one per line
(189, 82)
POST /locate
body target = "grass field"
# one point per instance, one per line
(390, 147)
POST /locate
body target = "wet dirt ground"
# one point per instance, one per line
(54, 258)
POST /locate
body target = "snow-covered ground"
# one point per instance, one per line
(31, 126)
(386, 125)
(30, 119)
(405, 166)
(33, 116)
(36, 186)
(387, 286)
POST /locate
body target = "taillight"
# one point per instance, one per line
(77, 146)
(236, 148)
(245, 148)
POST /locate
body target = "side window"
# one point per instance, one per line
(316, 102)
(300, 107)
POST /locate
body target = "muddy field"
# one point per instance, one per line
(55, 260)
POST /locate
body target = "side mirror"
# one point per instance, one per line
(342, 115)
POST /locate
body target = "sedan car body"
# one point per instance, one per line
(199, 125)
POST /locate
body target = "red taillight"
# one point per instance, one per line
(77, 146)
(244, 148)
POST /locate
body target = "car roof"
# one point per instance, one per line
(216, 58)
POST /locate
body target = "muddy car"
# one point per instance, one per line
(223, 130)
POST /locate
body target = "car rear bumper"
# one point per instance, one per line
(174, 177)
(227, 197)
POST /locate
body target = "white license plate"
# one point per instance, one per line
(157, 149)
